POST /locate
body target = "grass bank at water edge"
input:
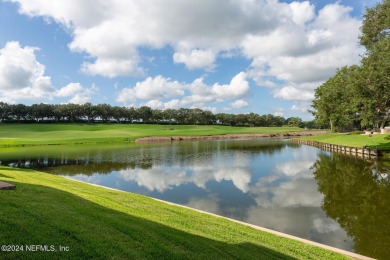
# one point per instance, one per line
(96, 223)
(353, 140)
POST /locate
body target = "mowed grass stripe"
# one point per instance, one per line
(35, 134)
(99, 223)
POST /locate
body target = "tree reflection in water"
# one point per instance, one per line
(357, 195)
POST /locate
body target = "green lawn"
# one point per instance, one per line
(353, 140)
(98, 223)
(38, 134)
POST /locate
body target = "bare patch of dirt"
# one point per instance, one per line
(227, 136)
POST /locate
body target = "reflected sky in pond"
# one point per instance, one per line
(268, 182)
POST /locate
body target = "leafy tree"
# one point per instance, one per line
(197, 116)
(310, 125)
(226, 119)
(157, 115)
(208, 118)
(40, 112)
(294, 121)
(60, 112)
(131, 114)
(119, 114)
(5, 111)
(335, 101)
(360, 94)
(376, 26)
(145, 113)
(89, 111)
(268, 118)
(104, 112)
(71, 111)
(375, 88)
(253, 119)
(19, 112)
(182, 115)
(240, 120)
(278, 121)
(169, 115)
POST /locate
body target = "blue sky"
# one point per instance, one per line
(225, 56)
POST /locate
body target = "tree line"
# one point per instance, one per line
(358, 96)
(105, 113)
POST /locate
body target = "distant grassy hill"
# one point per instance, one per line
(92, 222)
(39, 134)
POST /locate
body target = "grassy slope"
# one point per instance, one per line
(30, 134)
(353, 140)
(104, 224)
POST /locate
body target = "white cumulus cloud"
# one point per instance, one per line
(82, 95)
(70, 90)
(21, 75)
(196, 59)
(294, 93)
(164, 93)
(298, 57)
(301, 107)
(239, 104)
(152, 88)
(289, 44)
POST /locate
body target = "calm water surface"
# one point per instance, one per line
(300, 190)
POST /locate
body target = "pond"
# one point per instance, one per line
(300, 190)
